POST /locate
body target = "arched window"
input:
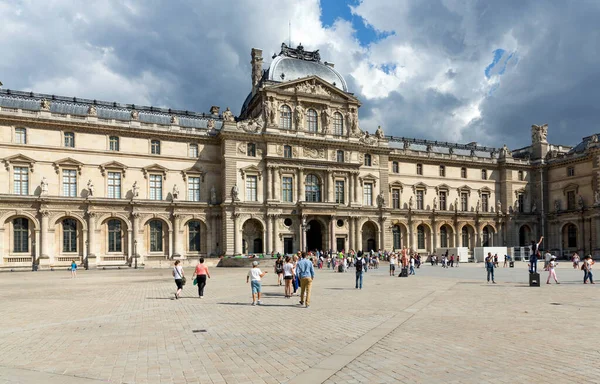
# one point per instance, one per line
(338, 124)
(312, 188)
(21, 235)
(194, 236)
(572, 236)
(465, 237)
(421, 237)
(156, 236)
(486, 237)
(69, 227)
(367, 160)
(443, 237)
(115, 243)
(311, 120)
(396, 236)
(285, 117)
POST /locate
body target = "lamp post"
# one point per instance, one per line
(87, 255)
(135, 253)
(33, 259)
(305, 228)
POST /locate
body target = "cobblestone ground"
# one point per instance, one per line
(446, 326)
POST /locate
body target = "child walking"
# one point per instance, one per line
(551, 272)
(256, 275)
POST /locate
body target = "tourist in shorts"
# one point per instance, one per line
(392, 264)
(279, 270)
(73, 269)
(178, 275)
(201, 273)
(256, 275)
(288, 276)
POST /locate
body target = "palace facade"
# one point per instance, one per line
(101, 182)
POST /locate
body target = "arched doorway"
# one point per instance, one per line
(487, 236)
(423, 238)
(524, 235)
(467, 236)
(369, 236)
(252, 237)
(314, 236)
(446, 236)
(569, 237)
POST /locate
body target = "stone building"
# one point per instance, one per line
(102, 182)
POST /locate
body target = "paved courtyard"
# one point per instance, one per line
(441, 326)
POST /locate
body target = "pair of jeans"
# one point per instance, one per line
(201, 279)
(359, 279)
(588, 275)
(305, 287)
(533, 262)
(412, 270)
(490, 272)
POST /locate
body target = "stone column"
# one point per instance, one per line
(237, 234)
(275, 236)
(350, 189)
(268, 233)
(434, 236)
(44, 233)
(356, 188)
(130, 244)
(357, 234)
(215, 241)
(276, 184)
(300, 183)
(330, 194)
(37, 238)
(412, 245)
(138, 246)
(383, 232)
(350, 244)
(92, 233)
(332, 232)
(171, 252)
(178, 250)
(269, 181)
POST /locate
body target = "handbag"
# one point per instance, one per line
(195, 282)
(183, 280)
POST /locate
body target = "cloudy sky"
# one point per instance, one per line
(456, 70)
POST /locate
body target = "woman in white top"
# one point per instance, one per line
(551, 272)
(288, 276)
(178, 275)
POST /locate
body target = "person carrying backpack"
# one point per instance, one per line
(359, 263)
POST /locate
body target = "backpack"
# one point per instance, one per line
(358, 264)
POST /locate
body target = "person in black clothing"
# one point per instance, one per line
(534, 255)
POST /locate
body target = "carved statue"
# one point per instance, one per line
(352, 119)
(405, 145)
(379, 133)
(557, 205)
(45, 105)
(451, 151)
(299, 117)
(44, 186)
(473, 154)
(499, 206)
(477, 206)
(539, 133)
(135, 115)
(533, 208)
(174, 120)
(411, 202)
(228, 115)
(517, 205)
(92, 111)
(175, 192)
(235, 193)
(456, 204)
(90, 188)
(213, 195)
(380, 200)
(210, 124)
(135, 190)
(435, 203)
(326, 118)
(580, 202)
(429, 148)
(272, 111)
(597, 197)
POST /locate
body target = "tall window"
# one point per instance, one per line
(520, 174)
(251, 150)
(312, 188)
(484, 174)
(69, 227)
(464, 202)
(339, 191)
(114, 185)
(571, 236)
(156, 236)
(21, 235)
(485, 200)
(115, 236)
(442, 171)
(421, 237)
(193, 150)
(287, 189)
(570, 200)
(113, 143)
(156, 187)
(521, 199)
(396, 236)
(340, 156)
(69, 140)
(465, 237)
(420, 199)
(368, 194)
(20, 136)
(419, 169)
(155, 147)
(443, 237)
(463, 172)
(21, 181)
(69, 183)
(338, 124)
(285, 117)
(443, 199)
(367, 160)
(570, 170)
(194, 236)
(194, 188)
(251, 184)
(287, 151)
(311, 120)
(396, 198)
(485, 237)
(395, 167)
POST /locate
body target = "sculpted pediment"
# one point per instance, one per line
(112, 165)
(155, 168)
(68, 162)
(313, 86)
(18, 159)
(251, 169)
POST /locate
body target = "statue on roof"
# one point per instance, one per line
(539, 133)
(92, 110)
(505, 152)
(210, 124)
(379, 133)
(135, 115)
(174, 120)
(45, 105)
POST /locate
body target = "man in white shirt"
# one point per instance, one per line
(256, 274)
(547, 258)
(392, 264)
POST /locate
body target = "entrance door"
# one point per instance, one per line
(258, 246)
(371, 245)
(288, 245)
(340, 244)
(314, 236)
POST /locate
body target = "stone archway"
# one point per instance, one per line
(252, 237)
(314, 236)
(524, 235)
(369, 236)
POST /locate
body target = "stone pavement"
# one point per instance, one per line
(446, 326)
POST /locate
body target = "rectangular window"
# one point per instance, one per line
(464, 202)
(193, 188)
(114, 185)
(287, 151)
(485, 200)
(193, 150)
(20, 136)
(113, 143)
(155, 147)
(251, 150)
(368, 194)
(396, 198)
(156, 187)
(115, 243)
(521, 176)
(287, 190)
(69, 140)
(339, 191)
(395, 167)
(463, 173)
(571, 200)
(521, 199)
(69, 183)
(20, 235)
(443, 201)
(419, 169)
(484, 174)
(21, 181)
(340, 156)
(251, 188)
(570, 171)
(420, 199)
(442, 171)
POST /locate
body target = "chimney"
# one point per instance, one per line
(256, 62)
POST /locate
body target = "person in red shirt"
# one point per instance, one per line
(201, 273)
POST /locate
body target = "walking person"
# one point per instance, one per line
(73, 269)
(279, 270)
(457, 261)
(452, 261)
(412, 265)
(306, 274)
(587, 269)
(534, 254)
(489, 265)
(393, 260)
(547, 259)
(295, 280)
(505, 261)
(255, 276)
(288, 275)
(551, 272)
(359, 272)
(201, 273)
(179, 278)
(575, 260)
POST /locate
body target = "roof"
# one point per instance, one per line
(442, 147)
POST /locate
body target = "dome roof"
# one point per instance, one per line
(292, 64)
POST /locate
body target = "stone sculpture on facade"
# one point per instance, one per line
(235, 193)
(580, 202)
(213, 195)
(379, 133)
(499, 207)
(135, 115)
(533, 208)
(597, 197)
(90, 188)
(380, 200)
(175, 193)
(251, 125)
(92, 110)
(174, 120)
(135, 190)
(45, 105)
(210, 125)
(517, 209)
(477, 206)
(435, 203)
(325, 119)
(352, 119)
(44, 187)
(411, 203)
(539, 133)
(228, 115)
(299, 117)
(456, 204)
(505, 152)
(557, 205)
